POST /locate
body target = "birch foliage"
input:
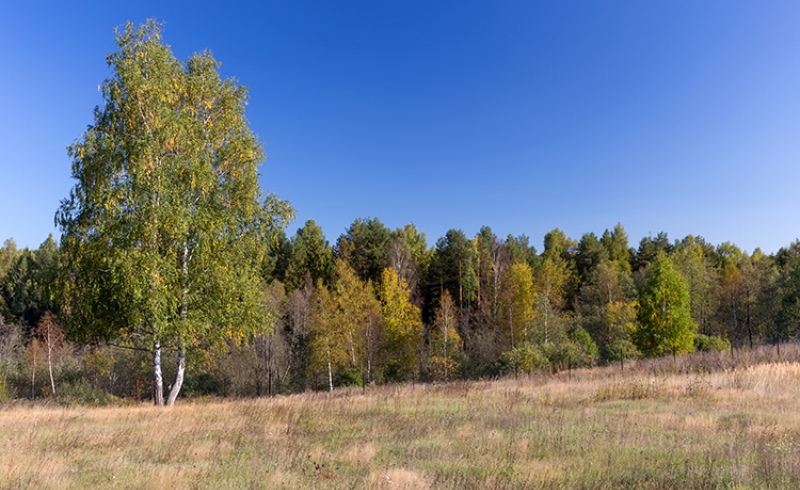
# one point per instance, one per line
(165, 227)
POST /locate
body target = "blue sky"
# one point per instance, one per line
(677, 116)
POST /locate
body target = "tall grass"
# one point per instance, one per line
(712, 421)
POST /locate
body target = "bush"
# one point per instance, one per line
(5, 391)
(202, 384)
(708, 343)
(350, 377)
(620, 351)
(83, 392)
(587, 351)
(524, 359)
(443, 368)
(571, 353)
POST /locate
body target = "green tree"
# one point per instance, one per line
(557, 244)
(365, 247)
(165, 230)
(454, 264)
(29, 286)
(616, 244)
(519, 249)
(788, 312)
(410, 257)
(664, 315)
(559, 254)
(691, 257)
(310, 256)
(7, 254)
(608, 308)
(280, 250)
(591, 253)
(328, 343)
(356, 312)
(551, 282)
(732, 290)
(649, 248)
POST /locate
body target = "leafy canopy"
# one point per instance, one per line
(166, 226)
(665, 319)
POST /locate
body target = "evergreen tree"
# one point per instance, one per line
(310, 256)
(365, 247)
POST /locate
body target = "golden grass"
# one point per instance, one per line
(600, 428)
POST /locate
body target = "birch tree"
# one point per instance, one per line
(445, 341)
(664, 315)
(165, 230)
(329, 346)
(517, 301)
(403, 324)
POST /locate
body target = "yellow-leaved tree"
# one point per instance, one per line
(403, 327)
(516, 303)
(445, 341)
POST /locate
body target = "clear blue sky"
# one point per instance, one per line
(676, 116)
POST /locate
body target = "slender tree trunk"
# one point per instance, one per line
(494, 297)
(50, 361)
(257, 372)
(50, 369)
(330, 377)
(369, 349)
(352, 346)
(511, 324)
(270, 374)
(33, 371)
(446, 326)
(749, 325)
(735, 325)
(460, 286)
(158, 380)
(546, 315)
(176, 387)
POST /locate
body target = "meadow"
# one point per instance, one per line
(718, 420)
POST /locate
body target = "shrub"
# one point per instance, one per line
(587, 351)
(523, 359)
(83, 392)
(708, 343)
(350, 377)
(620, 351)
(443, 368)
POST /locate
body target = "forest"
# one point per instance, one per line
(173, 264)
(382, 306)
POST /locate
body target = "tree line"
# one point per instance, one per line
(381, 305)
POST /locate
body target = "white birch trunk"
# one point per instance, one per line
(50, 361)
(176, 387)
(181, 367)
(158, 380)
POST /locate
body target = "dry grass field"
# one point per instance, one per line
(666, 424)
